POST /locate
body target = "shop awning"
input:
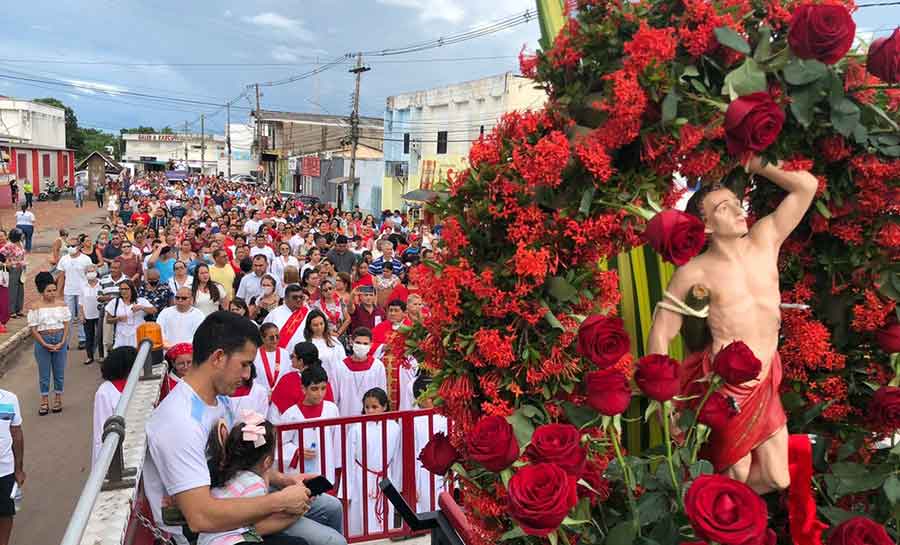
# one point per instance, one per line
(342, 180)
(424, 195)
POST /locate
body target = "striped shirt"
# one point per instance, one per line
(245, 484)
(377, 266)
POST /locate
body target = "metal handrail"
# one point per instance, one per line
(113, 437)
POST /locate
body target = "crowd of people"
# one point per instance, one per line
(270, 312)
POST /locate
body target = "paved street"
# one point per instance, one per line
(57, 446)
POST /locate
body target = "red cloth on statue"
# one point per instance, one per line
(761, 413)
(806, 529)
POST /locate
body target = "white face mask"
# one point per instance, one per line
(73, 250)
(361, 351)
(91, 275)
(268, 290)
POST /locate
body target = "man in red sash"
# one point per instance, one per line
(290, 318)
(740, 270)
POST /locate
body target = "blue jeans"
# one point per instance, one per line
(79, 197)
(72, 302)
(51, 362)
(323, 524)
(28, 231)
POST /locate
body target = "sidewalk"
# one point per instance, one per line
(50, 216)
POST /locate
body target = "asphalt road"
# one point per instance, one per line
(57, 446)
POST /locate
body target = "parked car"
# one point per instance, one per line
(307, 200)
(244, 179)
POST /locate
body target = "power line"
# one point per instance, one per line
(246, 64)
(878, 4)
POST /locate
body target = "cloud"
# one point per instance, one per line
(294, 27)
(227, 13)
(93, 88)
(283, 53)
(432, 10)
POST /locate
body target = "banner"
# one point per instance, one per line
(311, 166)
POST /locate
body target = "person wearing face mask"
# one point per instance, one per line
(155, 291)
(268, 300)
(89, 311)
(72, 279)
(357, 374)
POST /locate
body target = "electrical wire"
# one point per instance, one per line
(244, 65)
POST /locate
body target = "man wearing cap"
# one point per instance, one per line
(365, 314)
(341, 257)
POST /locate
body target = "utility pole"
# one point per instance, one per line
(228, 135)
(258, 134)
(202, 144)
(354, 126)
(187, 168)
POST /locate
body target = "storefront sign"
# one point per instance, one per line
(311, 166)
(158, 137)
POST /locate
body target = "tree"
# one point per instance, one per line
(139, 130)
(74, 139)
(96, 140)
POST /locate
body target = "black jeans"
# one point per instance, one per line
(99, 197)
(28, 197)
(90, 336)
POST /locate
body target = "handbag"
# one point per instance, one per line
(4, 277)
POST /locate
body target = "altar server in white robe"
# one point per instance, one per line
(115, 370)
(357, 375)
(424, 433)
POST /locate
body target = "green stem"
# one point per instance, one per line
(629, 478)
(668, 438)
(721, 106)
(693, 428)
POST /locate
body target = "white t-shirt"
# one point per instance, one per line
(175, 285)
(251, 227)
(126, 332)
(266, 251)
(105, 401)
(179, 327)
(24, 218)
(74, 268)
(176, 446)
(89, 300)
(10, 415)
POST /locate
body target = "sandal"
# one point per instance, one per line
(90, 361)
(57, 404)
(44, 408)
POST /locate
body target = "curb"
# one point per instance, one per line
(11, 345)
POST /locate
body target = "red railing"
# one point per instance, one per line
(402, 467)
(346, 456)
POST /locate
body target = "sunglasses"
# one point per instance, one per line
(181, 298)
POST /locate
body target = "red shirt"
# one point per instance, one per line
(141, 218)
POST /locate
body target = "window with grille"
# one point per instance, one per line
(442, 142)
(406, 142)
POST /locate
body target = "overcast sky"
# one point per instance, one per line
(160, 48)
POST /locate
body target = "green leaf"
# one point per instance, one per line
(515, 533)
(823, 209)
(505, 476)
(690, 71)
(803, 100)
(530, 411)
(670, 107)
(653, 506)
(586, 198)
(892, 489)
(801, 72)
(743, 80)
(553, 538)
(622, 534)
(845, 116)
(561, 290)
(522, 427)
(701, 467)
(730, 38)
(552, 320)
(836, 515)
(578, 415)
(569, 521)
(854, 478)
(764, 45)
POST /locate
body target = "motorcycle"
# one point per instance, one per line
(52, 194)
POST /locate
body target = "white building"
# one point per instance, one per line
(153, 152)
(242, 160)
(33, 144)
(427, 133)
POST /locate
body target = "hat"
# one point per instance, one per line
(179, 349)
(366, 289)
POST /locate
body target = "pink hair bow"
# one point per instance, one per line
(253, 428)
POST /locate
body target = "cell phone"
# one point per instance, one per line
(318, 485)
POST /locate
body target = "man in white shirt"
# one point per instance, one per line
(250, 284)
(71, 280)
(178, 323)
(251, 227)
(261, 248)
(175, 470)
(295, 242)
(289, 333)
(12, 459)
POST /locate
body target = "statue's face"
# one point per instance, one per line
(724, 214)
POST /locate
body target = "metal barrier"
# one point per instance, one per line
(356, 476)
(108, 471)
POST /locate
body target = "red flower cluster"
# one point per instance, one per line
(872, 314)
(567, 48)
(492, 349)
(650, 47)
(595, 159)
(543, 163)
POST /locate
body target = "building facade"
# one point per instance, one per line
(429, 133)
(155, 152)
(33, 145)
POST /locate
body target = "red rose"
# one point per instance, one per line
(493, 444)
(599, 487)
(675, 235)
(608, 392)
(883, 61)
(603, 340)
(821, 31)
(725, 511)
(884, 409)
(438, 454)
(737, 364)
(559, 444)
(752, 123)
(888, 337)
(540, 497)
(718, 411)
(657, 376)
(859, 531)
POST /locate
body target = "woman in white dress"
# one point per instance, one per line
(112, 205)
(208, 295)
(283, 261)
(320, 333)
(181, 279)
(114, 369)
(126, 313)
